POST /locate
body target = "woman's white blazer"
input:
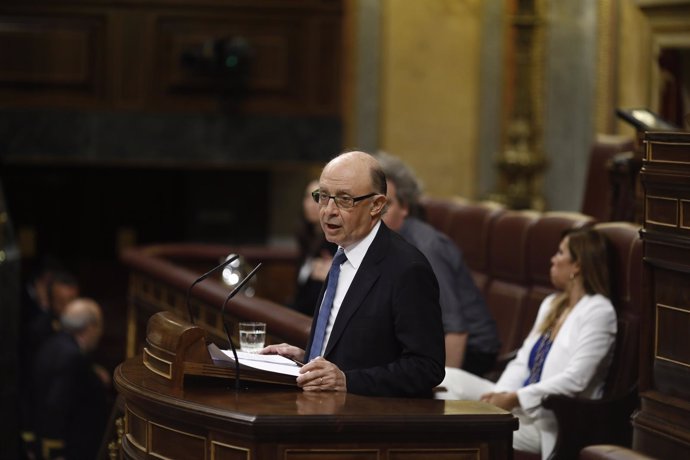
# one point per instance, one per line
(577, 363)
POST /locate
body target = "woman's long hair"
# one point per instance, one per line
(590, 249)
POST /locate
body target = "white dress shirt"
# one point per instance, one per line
(355, 254)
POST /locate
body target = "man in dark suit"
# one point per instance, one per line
(472, 341)
(383, 334)
(69, 397)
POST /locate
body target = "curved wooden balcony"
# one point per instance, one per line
(160, 276)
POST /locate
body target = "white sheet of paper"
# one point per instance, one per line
(272, 363)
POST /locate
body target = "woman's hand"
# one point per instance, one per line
(505, 400)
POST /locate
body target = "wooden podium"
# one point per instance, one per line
(176, 348)
(168, 416)
(209, 420)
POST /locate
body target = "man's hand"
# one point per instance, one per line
(321, 375)
(284, 349)
(505, 400)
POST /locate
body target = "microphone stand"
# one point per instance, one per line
(225, 324)
(203, 277)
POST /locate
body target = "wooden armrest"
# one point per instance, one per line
(611, 452)
(583, 422)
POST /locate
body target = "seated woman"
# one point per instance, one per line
(568, 350)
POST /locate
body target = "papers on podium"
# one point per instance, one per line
(261, 368)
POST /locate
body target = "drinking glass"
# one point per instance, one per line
(252, 336)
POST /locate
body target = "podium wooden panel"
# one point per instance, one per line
(207, 419)
(662, 426)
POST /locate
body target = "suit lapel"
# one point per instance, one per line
(367, 275)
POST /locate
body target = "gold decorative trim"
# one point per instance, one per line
(115, 445)
(130, 413)
(150, 357)
(648, 199)
(164, 427)
(522, 161)
(656, 334)
(681, 219)
(607, 46)
(47, 445)
(352, 451)
(131, 345)
(651, 152)
(466, 450)
(669, 360)
(229, 446)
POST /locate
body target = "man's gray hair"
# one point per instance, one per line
(408, 187)
(79, 314)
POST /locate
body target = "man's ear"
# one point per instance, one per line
(378, 204)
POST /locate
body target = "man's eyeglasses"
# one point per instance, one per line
(342, 202)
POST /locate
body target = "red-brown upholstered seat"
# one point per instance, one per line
(436, 212)
(469, 227)
(599, 194)
(507, 288)
(519, 276)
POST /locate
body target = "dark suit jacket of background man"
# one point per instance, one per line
(69, 399)
(388, 335)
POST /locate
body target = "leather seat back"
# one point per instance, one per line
(507, 287)
(627, 272)
(469, 227)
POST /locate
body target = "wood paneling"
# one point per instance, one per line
(662, 426)
(59, 57)
(128, 55)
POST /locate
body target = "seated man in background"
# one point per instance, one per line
(470, 331)
(45, 295)
(69, 397)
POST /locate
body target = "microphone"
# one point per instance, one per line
(203, 277)
(225, 324)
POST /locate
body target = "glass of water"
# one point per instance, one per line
(252, 336)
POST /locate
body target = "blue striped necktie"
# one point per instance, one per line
(326, 305)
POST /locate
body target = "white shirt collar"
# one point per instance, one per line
(356, 252)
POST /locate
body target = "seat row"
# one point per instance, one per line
(508, 253)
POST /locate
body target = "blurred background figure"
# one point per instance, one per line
(45, 294)
(470, 331)
(315, 254)
(69, 397)
(10, 288)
